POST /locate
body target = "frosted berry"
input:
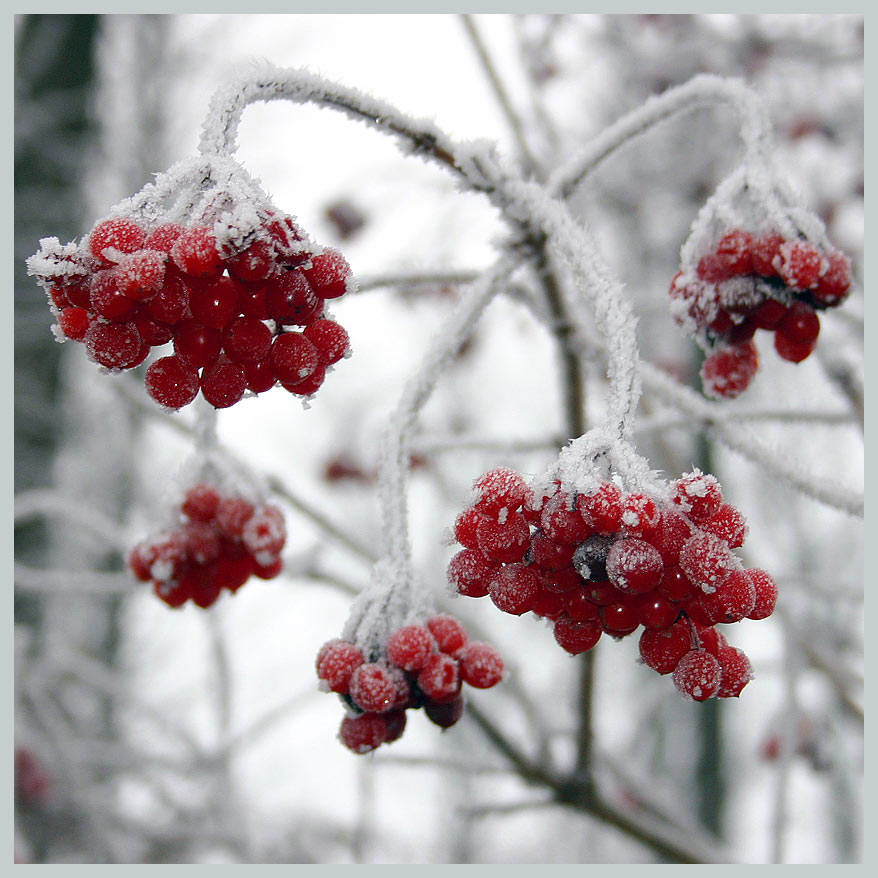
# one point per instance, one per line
(336, 661)
(363, 733)
(215, 305)
(576, 636)
(232, 515)
(141, 275)
(439, 679)
(800, 264)
(662, 649)
(603, 508)
(634, 566)
(551, 555)
(259, 375)
(329, 274)
(200, 502)
(195, 253)
(372, 688)
(329, 338)
(480, 665)
(293, 358)
(162, 237)
(307, 386)
(640, 515)
(835, 282)
(698, 495)
(449, 633)
(108, 300)
(514, 589)
(113, 345)
(654, 610)
(264, 534)
(172, 382)
(590, 557)
(503, 541)
(707, 560)
(698, 675)
(766, 594)
(247, 340)
(736, 672)
(729, 524)
(74, 322)
(619, 618)
(290, 300)
(562, 522)
(765, 253)
(732, 601)
(500, 489)
(465, 526)
(171, 303)
(727, 372)
(199, 345)
(223, 384)
(410, 647)
(120, 235)
(469, 572)
(253, 264)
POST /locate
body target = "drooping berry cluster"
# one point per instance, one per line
(219, 542)
(244, 316)
(749, 282)
(422, 666)
(609, 562)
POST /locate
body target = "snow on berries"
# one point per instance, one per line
(423, 664)
(747, 282)
(217, 541)
(610, 562)
(243, 309)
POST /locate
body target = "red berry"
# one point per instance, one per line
(329, 338)
(551, 555)
(698, 494)
(736, 672)
(232, 515)
(480, 665)
(765, 254)
(465, 526)
(307, 386)
(729, 524)
(223, 384)
(619, 618)
(727, 372)
(445, 715)
(153, 332)
(671, 534)
(363, 733)
(162, 237)
(233, 572)
(675, 585)
(141, 275)
(74, 322)
(576, 636)
(113, 345)
(768, 314)
(792, 351)
(514, 589)
(336, 661)
(707, 560)
(549, 604)
(800, 323)
(203, 543)
(560, 581)
(439, 679)
(329, 275)
(199, 345)
(503, 541)
(835, 282)
(372, 688)
(122, 235)
(171, 303)
(107, 299)
(293, 358)
(578, 606)
(634, 566)
(171, 382)
(662, 649)
(603, 509)
(252, 301)
(801, 264)
(500, 489)
(264, 534)
(260, 376)
(290, 300)
(697, 676)
(449, 633)
(200, 502)
(410, 647)
(246, 340)
(640, 515)
(732, 600)
(195, 253)
(174, 594)
(215, 305)
(561, 522)
(735, 249)
(253, 264)
(653, 610)
(469, 572)
(766, 594)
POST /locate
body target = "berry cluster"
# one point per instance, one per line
(609, 562)
(219, 542)
(752, 282)
(241, 318)
(422, 666)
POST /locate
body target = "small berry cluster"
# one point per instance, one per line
(752, 282)
(219, 542)
(609, 562)
(422, 666)
(229, 311)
